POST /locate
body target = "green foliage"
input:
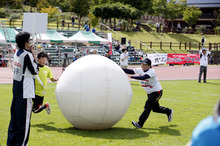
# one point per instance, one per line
(13, 4)
(191, 15)
(141, 5)
(33, 3)
(175, 8)
(199, 29)
(218, 15)
(190, 101)
(116, 10)
(80, 7)
(5, 13)
(53, 13)
(42, 4)
(217, 30)
(93, 20)
(169, 10)
(13, 17)
(64, 6)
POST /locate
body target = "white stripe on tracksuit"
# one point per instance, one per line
(28, 117)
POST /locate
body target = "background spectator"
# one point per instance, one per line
(158, 27)
(63, 23)
(73, 21)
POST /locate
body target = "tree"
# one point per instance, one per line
(53, 13)
(32, 3)
(175, 9)
(15, 4)
(42, 4)
(191, 15)
(80, 7)
(116, 10)
(169, 10)
(141, 5)
(93, 20)
(12, 18)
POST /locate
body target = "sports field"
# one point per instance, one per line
(190, 101)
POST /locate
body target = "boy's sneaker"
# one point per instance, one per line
(170, 116)
(138, 126)
(48, 109)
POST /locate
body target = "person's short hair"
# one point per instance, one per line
(123, 50)
(22, 38)
(146, 61)
(42, 55)
(203, 50)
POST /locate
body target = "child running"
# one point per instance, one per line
(41, 83)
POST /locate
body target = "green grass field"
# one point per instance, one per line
(190, 101)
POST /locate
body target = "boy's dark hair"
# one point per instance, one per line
(123, 50)
(22, 38)
(42, 55)
(203, 50)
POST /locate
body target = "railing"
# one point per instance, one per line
(181, 45)
(191, 31)
(68, 26)
(50, 25)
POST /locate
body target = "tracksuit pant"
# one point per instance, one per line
(203, 70)
(152, 103)
(19, 126)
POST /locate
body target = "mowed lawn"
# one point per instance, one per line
(190, 101)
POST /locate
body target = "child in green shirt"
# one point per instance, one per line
(41, 83)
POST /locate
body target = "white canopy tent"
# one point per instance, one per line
(11, 33)
(88, 37)
(52, 36)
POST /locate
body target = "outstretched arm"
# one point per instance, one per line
(128, 71)
(144, 77)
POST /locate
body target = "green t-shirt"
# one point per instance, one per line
(44, 73)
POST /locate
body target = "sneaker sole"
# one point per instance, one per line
(135, 125)
(171, 115)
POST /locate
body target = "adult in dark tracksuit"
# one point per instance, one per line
(24, 69)
(148, 80)
(203, 64)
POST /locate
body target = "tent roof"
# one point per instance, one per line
(52, 36)
(88, 37)
(11, 32)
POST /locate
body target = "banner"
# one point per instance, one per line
(110, 42)
(182, 58)
(157, 58)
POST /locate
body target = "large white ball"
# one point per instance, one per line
(93, 93)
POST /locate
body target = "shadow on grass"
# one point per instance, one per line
(213, 83)
(112, 133)
(166, 130)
